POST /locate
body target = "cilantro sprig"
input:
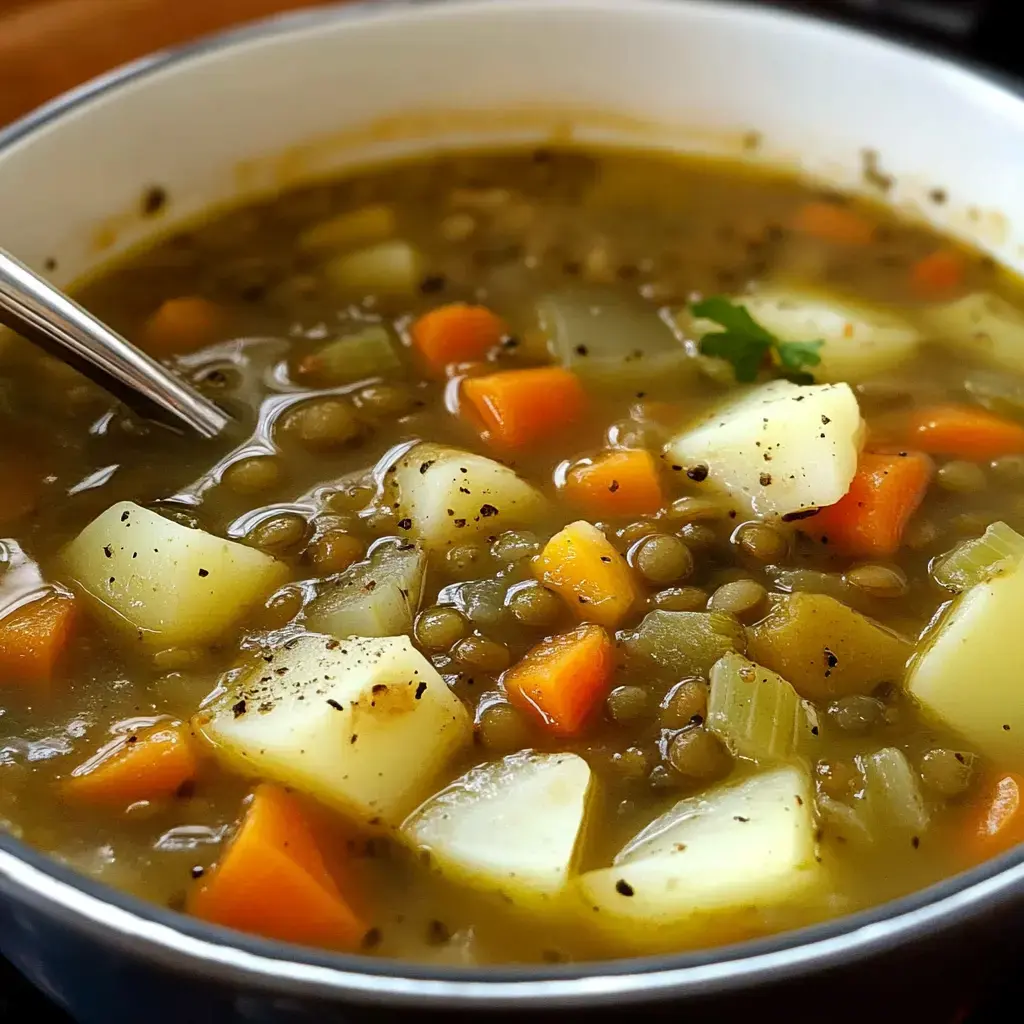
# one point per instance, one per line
(748, 346)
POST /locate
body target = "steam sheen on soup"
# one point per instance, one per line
(611, 554)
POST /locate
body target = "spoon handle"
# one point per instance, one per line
(44, 315)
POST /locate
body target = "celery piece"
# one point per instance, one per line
(372, 223)
(997, 391)
(612, 342)
(892, 792)
(827, 649)
(391, 268)
(996, 551)
(685, 643)
(755, 712)
(846, 823)
(376, 597)
(368, 353)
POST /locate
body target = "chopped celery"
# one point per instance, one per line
(368, 353)
(610, 341)
(372, 223)
(685, 643)
(997, 391)
(996, 551)
(393, 268)
(843, 821)
(376, 597)
(755, 712)
(982, 326)
(827, 649)
(892, 792)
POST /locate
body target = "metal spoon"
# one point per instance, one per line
(46, 316)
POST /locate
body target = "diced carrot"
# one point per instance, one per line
(623, 483)
(150, 765)
(999, 825)
(829, 222)
(964, 431)
(456, 333)
(564, 678)
(33, 637)
(519, 407)
(580, 564)
(869, 520)
(273, 881)
(939, 272)
(182, 325)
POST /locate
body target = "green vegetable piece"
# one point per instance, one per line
(746, 345)
(755, 712)
(892, 792)
(998, 550)
(826, 649)
(679, 644)
(368, 353)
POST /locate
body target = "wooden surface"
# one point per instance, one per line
(49, 46)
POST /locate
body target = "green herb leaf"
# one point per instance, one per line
(744, 352)
(744, 343)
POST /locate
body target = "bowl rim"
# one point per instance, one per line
(181, 943)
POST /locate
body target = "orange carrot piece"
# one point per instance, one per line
(33, 637)
(456, 333)
(940, 271)
(182, 325)
(869, 520)
(623, 483)
(580, 564)
(519, 407)
(564, 678)
(965, 432)
(831, 223)
(152, 765)
(1000, 823)
(273, 881)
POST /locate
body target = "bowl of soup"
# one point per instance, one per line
(607, 588)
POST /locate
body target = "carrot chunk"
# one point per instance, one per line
(580, 564)
(831, 223)
(621, 483)
(152, 765)
(940, 271)
(273, 881)
(563, 679)
(519, 407)
(999, 824)
(182, 325)
(965, 432)
(33, 637)
(869, 520)
(456, 333)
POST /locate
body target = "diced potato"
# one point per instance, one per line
(780, 449)
(446, 496)
(826, 649)
(372, 223)
(389, 268)
(678, 644)
(860, 341)
(981, 326)
(968, 675)
(714, 867)
(364, 725)
(169, 585)
(580, 564)
(536, 803)
(376, 597)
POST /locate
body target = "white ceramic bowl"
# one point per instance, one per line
(267, 107)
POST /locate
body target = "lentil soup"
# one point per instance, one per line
(612, 554)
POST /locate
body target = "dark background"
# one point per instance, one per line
(47, 46)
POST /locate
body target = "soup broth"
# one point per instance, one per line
(674, 508)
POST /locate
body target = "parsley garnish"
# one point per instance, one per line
(746, 345)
